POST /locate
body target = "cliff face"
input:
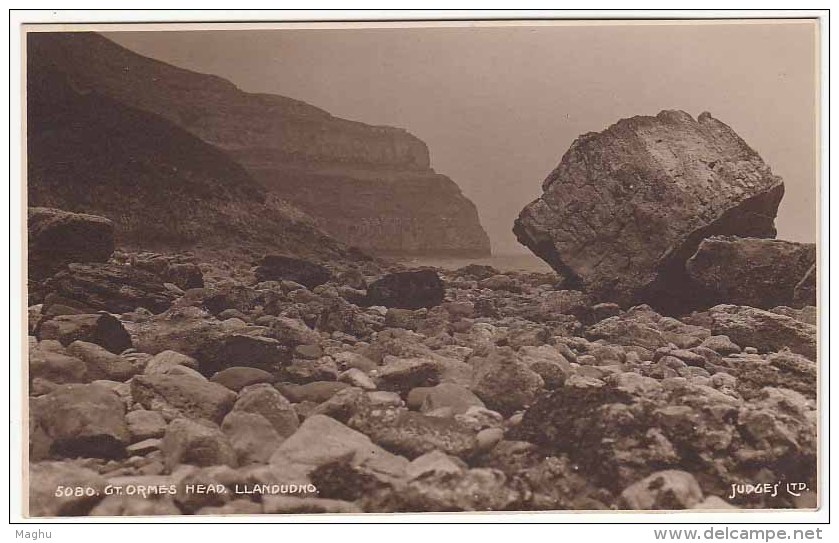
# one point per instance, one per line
(361, 182)
(161, 186)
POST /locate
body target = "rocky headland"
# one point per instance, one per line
(369, 186)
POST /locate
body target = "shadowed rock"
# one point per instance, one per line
(281, 267)
(407, 290)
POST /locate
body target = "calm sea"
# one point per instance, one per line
(501, 262)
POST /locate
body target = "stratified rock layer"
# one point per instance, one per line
(163, 187)
(627, 207)
(57, 238)
(370, 186)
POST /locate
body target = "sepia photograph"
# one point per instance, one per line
(422, 267)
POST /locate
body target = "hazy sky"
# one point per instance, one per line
(499, 106)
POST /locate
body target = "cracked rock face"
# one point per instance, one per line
(628, 206)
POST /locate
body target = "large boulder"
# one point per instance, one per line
(760, 273)
(110, 287)
(57, 238)
(407, 290)
(281, 267)
(628, 206)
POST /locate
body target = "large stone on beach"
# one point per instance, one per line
(760, 273)
(281, 267)
(407, 290)
(82, 420)
(110, 287)
(628, 206)
(57, 238)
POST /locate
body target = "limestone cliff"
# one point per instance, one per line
(371, 186)
(162, 187)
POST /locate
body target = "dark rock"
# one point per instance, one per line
(101, 329)
(407, 290)
(282, 267)
(760, 273)
(183, 396)
(628, 206)
(57, 238)
(111, 287)
(82, 420)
